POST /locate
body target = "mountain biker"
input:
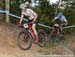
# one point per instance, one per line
(62, 21)
(32, 17)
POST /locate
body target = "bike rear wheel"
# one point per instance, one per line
(24, 40)
(42, 38)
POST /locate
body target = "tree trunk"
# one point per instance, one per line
(7, 8)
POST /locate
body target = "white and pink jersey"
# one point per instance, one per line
(29, 13)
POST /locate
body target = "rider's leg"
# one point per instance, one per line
(59, 30)
(35, 32)
(60, 27)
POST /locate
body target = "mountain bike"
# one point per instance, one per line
(56, 33)
(26, 37)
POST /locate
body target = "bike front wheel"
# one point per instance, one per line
(42, 38)
(24, 40)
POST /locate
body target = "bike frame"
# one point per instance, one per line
(56, 30)
(32, 33)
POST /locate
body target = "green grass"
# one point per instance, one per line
(53, 46)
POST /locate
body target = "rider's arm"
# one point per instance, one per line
(67, 23)
(35, 17)
(65, 20)
(54, 19)
(21, 18)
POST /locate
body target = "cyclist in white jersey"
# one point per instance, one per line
(62, 20)
(31, 15)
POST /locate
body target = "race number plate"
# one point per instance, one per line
(56, 25)
(25, 25)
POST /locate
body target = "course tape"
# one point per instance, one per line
(13, 15)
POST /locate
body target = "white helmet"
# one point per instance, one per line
(24, 5)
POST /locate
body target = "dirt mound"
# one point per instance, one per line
(8, 46)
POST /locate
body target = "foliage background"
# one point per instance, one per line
(45, 12)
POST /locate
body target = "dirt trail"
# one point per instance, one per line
(8, 46)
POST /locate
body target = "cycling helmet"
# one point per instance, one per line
(24, 5)
(60, 14)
